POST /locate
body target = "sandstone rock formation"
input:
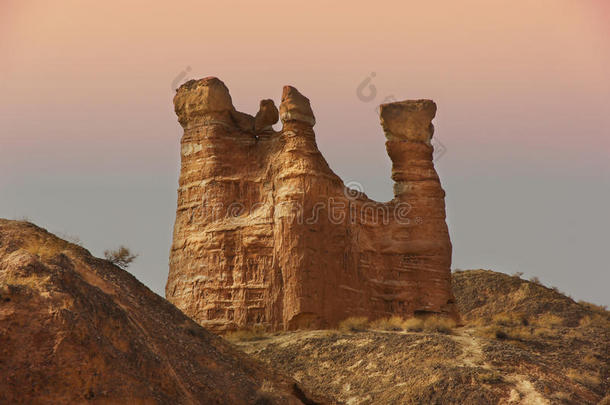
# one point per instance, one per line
(74, 329)
(266, 233)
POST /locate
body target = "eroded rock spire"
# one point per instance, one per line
(295, 107)
(266, 233)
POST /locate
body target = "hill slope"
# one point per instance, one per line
(74, 328)
(522, 343)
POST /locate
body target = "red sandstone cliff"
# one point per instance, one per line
(266, 233)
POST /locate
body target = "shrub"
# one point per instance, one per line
(121, 257)
(494, 332)
(518, 274)
(394, 323)
(439, 324)
(500, 334)
(518, 333)
(354, 324)
(502, 319)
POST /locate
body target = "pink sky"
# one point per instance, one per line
(513, 74)
(522, 88)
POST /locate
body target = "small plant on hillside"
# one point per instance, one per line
(536, 280)
(121, 257)
(516, 333)
(354, 324)
(498, 333)
(502, 319)
(516, 326)
(518, 274)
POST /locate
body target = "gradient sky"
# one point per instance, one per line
(89, 143)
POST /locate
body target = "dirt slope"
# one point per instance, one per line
(481, 294)
(76, 329)
(522, 343)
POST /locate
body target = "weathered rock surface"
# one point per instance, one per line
(74, 329)
(266, 233)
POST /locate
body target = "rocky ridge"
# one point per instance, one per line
(76, 329)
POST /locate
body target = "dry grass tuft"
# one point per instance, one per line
(439, 324)
(505, 332)
(431, 324)
(354, 324)
(394, 323)
(516, 326)
(495, 332)
(413, 325)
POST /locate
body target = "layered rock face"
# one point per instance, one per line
(266, 233)
(76, 329)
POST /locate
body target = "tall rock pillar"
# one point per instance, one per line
(408, 129)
